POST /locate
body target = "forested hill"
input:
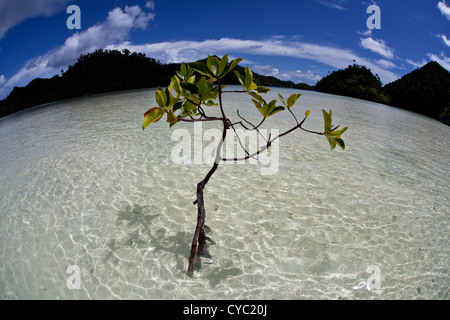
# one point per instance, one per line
(105, 71)
(355, 81)
(425, 90)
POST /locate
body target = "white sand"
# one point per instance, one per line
(81, 184)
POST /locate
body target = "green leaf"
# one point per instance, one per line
(240, 78)
(282, 99)
(171, 118)
(189, 107)
(182, 72)
(272, 104)
(249, 84)
(201, 68)
(292, 99)
(177, 106)
(307, 113)
(223, 64)
(260, 108)
(257, 97)
(175, 83)
(338, 133)
(333, 141)
(183, 69)
(161, 98)
(189, 87)
(212, 65)
(152, 115)
(210, 103)
(276, 109)
(234, 63)
(262, 89)
(202, 86)
(327, 120)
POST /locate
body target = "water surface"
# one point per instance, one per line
(82, 185)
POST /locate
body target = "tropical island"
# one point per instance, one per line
(424, 90)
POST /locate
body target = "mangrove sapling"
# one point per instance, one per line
(197, 87)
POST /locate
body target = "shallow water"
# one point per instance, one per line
(83, 188)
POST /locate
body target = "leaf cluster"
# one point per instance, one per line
(198, 85)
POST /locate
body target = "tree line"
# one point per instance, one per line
(424, 90)
(105, 71)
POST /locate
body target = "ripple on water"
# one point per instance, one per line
(107, 198)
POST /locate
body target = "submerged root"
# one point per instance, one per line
(200, 250)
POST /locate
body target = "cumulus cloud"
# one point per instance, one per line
(377, 46)
(14, 12)
(185, 51)
(115, 29)
(113, 33)
(445, 10)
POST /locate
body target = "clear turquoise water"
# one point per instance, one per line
(82, 185)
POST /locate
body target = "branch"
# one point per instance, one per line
(199, 120)
(254, 127)
(239, 140)
(269, 143)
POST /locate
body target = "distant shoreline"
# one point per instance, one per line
(423, 91)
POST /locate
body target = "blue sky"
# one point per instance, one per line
(298, 40)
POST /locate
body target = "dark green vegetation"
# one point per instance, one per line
(354, 81)
(105, 71)
(424, 90)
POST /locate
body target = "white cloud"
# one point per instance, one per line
(377, 46)
(100, 36)
(14, 12)
(366, 33)
(333, 4)
(444, 39)
(2, 84)
(417, 64)
(150, 5)
(185, 51)
(445, 10)
(115, 29)
(386, 63)
(443, 60)
(295, 76)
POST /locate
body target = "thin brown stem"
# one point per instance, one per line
(270, 141)
(199, 239)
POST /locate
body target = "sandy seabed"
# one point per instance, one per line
(92, 207)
